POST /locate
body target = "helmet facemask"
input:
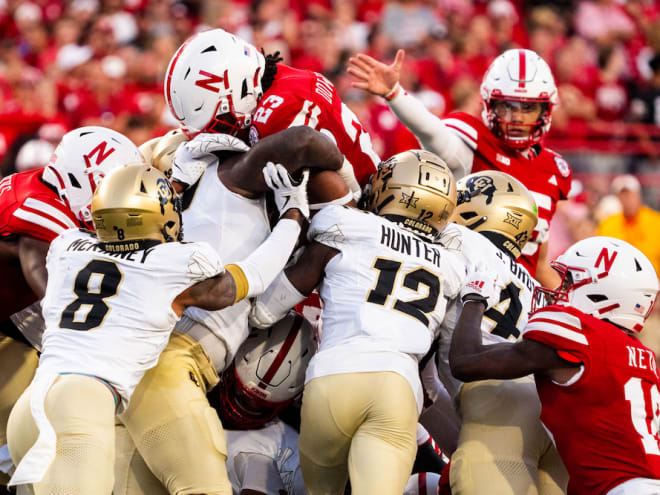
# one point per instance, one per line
(518, 77)
(517, 135)
(241, 408)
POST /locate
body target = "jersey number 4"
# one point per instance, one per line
(96, 282)
(417, 308)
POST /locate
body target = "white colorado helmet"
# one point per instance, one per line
(82, 158)
(606, 278)
(519, 76)
(268, 372)
(213, 83)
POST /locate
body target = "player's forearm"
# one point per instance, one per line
(432, 133)
(315, 150)
(268, 260)
(466, 343)
(471, 360)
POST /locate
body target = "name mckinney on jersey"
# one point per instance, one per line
(409, 244)
(85, 245)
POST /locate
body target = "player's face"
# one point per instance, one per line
(517, 118)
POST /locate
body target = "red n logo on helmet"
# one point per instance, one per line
(209, 81)
(604, 256)
(100, 153)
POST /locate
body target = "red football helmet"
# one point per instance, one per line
(267, 374)
(516, 79)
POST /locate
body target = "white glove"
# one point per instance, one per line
(193, 157)
(287, 195)
(481, 286)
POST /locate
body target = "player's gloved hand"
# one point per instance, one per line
(288, 193)
(482, 287)
(193, 157)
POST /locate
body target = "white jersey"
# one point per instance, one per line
(506, 319)
(384, 295)
(234, 226)
(276, 441)
(110, 314)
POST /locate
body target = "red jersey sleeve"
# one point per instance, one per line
(556, 327)
(29, 208)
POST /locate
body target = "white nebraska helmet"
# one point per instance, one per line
(83, 157)
(520, 76)
(268, 372)
(213, 83)
(607, 278)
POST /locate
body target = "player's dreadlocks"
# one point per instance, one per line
(271, 69)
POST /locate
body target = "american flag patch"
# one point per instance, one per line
(640, 309)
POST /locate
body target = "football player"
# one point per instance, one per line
(267, 376)
(226, 207)
(385, 288)
(502, 445)
(519, 95)
(586, 358)
(107, 322)
(216, 82)
(35, 207)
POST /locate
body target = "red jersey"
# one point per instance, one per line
(605, 422)
(28, 207)
(546, 175)
(302, 97)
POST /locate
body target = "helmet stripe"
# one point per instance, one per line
(168, 79)
(522, 68)
(284, 350)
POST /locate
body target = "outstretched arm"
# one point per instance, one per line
(292, 285)
(471, 360)
(296, 148)
(383, 80)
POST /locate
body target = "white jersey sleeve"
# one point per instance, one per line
(434, 135)
(334, 226)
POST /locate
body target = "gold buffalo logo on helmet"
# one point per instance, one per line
(165, 193)
(482, 185)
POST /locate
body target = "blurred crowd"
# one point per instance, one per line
(65, 64)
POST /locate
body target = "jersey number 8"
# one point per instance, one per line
(99, 280)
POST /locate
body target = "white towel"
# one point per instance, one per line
(38, 459)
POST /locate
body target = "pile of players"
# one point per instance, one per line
(137, 372)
